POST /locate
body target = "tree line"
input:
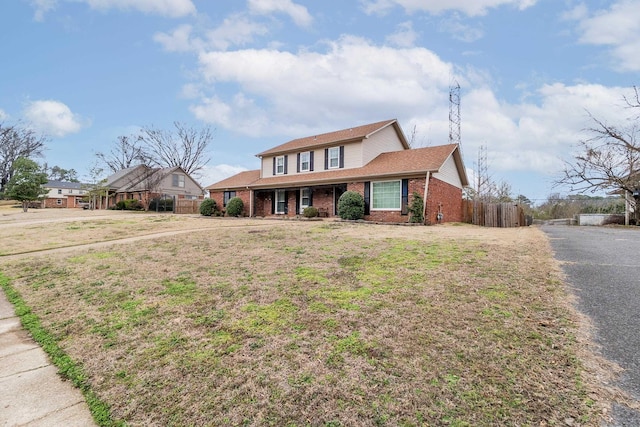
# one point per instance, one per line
(22, 178)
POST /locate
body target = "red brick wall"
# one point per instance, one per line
(444, 198)
(53, 203)
(415, 185)
(244, 195)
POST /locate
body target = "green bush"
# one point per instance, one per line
(416, 209)
(351, 205)
(310, 212)
(208, 207)
(235, 206)
(129, 205)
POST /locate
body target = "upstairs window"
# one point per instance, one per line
(280, 165)
(305, 162)
(59, 190)
(177, 180)
(334, 157)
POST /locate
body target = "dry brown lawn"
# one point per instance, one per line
(256, 322)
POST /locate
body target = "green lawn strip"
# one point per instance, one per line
(67, 367)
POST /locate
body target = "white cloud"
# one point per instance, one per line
(617, 28)
(42, 7)
(212, 174)
(3, 115)
(52, 117)
(179, 40)
(405, 36)
(236, 30)
(299, 14)
(349, 82)
(170, 8)
(468, 7)
(459, 31)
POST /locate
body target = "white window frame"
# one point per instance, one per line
(374, 206)
(334, 155)
(177, 180)
(305, 158)
(59, 190)
(280, 165)
(280, 194)
(302, 197)
(59, 202)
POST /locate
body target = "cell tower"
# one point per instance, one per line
(454, 113)
(483, 184)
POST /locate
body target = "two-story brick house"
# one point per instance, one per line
(63, 194)
(375, 160)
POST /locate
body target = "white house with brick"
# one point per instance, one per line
(375, 160)
(62, 194)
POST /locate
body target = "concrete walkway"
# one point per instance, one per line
(31, 391)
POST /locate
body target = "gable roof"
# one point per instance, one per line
(138, 178)
(116, 180)
(355, 134)
(410, 162)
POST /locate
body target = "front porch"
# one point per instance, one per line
(292, 201)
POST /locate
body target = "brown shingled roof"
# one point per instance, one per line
(397, 163)
(239, 180)
(345, 135)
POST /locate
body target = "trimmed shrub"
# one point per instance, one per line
(235, 206)
(208, 207)
(129, 205)
(351, 205)
(416, 209)
(310, 212)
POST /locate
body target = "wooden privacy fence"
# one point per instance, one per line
(493, 214)
(185, 206)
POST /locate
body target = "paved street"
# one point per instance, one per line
(602, 264)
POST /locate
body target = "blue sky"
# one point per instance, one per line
(262, 72)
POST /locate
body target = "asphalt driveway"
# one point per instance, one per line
(602, 265)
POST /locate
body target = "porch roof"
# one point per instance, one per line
(414, 162)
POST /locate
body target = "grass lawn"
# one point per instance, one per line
(316, 323)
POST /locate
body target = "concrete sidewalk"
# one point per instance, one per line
(31, 391)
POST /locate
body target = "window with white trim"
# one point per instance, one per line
(386, 195)
(280, 165)
(334, 157)
(305, 161)
(59, 190)
(177, 180)
(59, 202)
(281, 202)
(305, 198)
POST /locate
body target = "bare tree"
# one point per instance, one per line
(17, 141)
(185, 147)
(610, 159)
(128, 151)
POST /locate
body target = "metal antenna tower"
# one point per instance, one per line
(482, 174)
(454, 113)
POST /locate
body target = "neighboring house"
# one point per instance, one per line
(375, 160)
(63, 194)
(144, 183)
